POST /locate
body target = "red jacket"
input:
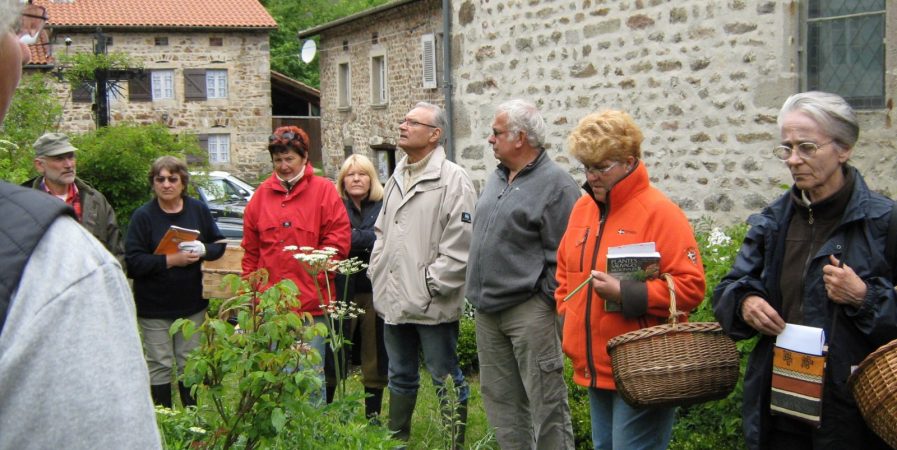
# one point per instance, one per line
(311, 214)
(635, 212)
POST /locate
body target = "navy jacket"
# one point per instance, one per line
(859, 240)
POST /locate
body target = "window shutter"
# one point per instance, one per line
(428, 52)
(83, 93)
(194, 84)
(139, 88)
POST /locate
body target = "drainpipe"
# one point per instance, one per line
(447, 77)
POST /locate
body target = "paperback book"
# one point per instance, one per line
(632, 262)
(174, 236)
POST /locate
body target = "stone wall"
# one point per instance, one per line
(245, 114)
(361, 125)
(703, 78)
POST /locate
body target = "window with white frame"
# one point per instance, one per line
(378, 80)
(845, 51)
(219, 148)
(344, 85)
(216, 83)
(162, 82)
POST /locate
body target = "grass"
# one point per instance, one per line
(427, 430)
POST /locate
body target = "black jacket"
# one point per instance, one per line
(859, 240)
(363, 238)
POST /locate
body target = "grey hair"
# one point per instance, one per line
(439, 119)
(524, 116)
(830, 111)
(9, 14)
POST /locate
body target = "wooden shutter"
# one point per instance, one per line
(83, 93)
(428, 53)
(139, 89)
(194, 84)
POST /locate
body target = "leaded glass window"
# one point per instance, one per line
(846, 51)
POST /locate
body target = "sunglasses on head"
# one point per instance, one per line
(285, 136)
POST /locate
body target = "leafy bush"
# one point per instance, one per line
(116, 160)
(467, 342)
(255, 382)
(34, 111)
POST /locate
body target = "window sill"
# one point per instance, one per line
(379, 105)
(344, 108)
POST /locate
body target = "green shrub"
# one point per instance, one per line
(116, 160)
(34, 111)
(467, 342)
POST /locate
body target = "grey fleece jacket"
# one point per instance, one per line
(72, 373)
(516, 231)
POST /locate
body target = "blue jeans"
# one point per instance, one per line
(618, 426)
(439, 343)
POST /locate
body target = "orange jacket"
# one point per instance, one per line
(634, 213)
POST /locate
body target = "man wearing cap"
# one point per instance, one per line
(54, 159)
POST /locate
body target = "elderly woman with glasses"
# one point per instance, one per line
(816, 256)
(620, 208)
(294, 207)
(168, 283)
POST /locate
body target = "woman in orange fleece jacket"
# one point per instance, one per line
(620, 208)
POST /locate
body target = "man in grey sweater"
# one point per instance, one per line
(72, 373)
(520, 218)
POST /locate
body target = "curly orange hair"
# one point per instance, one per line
(605, 136)
(298, 142)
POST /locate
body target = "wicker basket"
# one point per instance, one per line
(674, 364)
(213, 272)
(874, 385)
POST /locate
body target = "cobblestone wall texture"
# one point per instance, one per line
(703, 78)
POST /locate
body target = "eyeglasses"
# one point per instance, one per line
(31, 23)
(173, 179)
(805, 150)
(287, 136)
(496, 134)
(414, 123)
(592, 170)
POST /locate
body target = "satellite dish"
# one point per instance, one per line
(309, 48)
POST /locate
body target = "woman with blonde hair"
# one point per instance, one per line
(620, 208)
(362, 194)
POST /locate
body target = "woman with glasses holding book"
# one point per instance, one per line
(817, 257)
(620, 208)
(167, 239)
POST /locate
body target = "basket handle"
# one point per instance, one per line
(674, 313)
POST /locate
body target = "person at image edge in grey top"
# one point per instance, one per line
(72, 374)
(519, 221)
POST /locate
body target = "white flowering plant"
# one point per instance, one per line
(337, 312)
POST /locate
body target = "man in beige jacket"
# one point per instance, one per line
(418, 267)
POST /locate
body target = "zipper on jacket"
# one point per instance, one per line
(582, 248)
(602, 216)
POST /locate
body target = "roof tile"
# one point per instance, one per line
(158, 13)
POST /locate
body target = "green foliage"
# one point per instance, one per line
(716, 424)
(578, 399)
(33, 112)
(255, 382)
(467, 342)
(82, 67)
(293, 16)
(116, 161)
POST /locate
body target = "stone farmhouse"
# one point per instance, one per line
(703, 78)
(206, 71)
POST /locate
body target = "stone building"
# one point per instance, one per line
(206, 70)
(375, 66)
(703, 78)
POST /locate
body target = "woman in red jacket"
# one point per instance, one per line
(294, 208)
(620, 208)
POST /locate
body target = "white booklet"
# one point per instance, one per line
(801, 338)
